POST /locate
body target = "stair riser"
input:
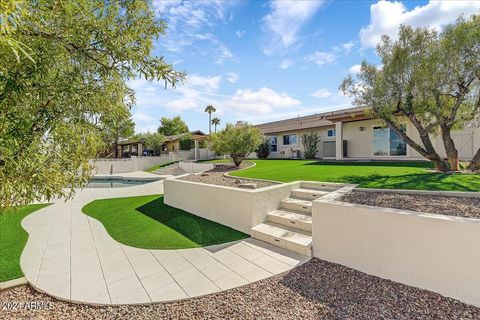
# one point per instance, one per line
(319, 186)
(290, 223)
(296, 207)
(306, 195)
(305, 250)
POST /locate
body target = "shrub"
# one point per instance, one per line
(310, 142)
(263, 149)
(236, 141)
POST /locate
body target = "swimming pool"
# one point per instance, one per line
(116, 182)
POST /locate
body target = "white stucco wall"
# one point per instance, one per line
(240, 209)
(434, 252)
(195, 167)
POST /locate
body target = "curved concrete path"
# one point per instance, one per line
(71, 256)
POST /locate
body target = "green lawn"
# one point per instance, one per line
(12, 241)
(146, 222)
(158, 166)
(391, 175)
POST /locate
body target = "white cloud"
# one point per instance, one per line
(223, 53)
(232, 77)
(140, 116)
(263, 101)
(285, 64)
(329, 57)
(386, 17)
(322, 93)
(321, 58)
(205, 83)
(186, 21)
(286, 19)
(240, 33)
(355, 69)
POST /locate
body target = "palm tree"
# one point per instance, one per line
(210, 109)
(215, 122)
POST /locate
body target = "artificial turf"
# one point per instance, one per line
(12, 240)
(146, 222)
(387, 175)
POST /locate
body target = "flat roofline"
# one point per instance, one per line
(324, 115)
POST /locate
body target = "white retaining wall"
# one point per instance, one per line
(239, 209)
(123, 165)
(435, 252)
(195, 167)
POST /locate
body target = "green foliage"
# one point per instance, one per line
(210, 109)
(186, 142)
(431, 79)
(57, 95)
(263, 149)
(146, 222)
(310, 141)
(13, 239)
(174, 126)
(236, 141)
(216, 122)
(116, 129)
(154, 141)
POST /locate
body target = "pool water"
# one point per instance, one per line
(115, 183)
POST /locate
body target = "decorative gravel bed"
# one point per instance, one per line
(452, 206)
(217, 176)
(315, 290)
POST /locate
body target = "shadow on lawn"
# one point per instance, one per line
(407, 164)
(414, 181)
(197, 229)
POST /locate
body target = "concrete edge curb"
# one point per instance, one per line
(10, 284)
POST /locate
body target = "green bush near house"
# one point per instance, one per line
(146, 222)
(387, 175)
(13, 239)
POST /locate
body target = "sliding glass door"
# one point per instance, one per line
(386, 142)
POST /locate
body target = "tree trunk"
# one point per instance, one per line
(428, 151)
(237, 160)
(475, 163)
(210, 123)
(450, 149)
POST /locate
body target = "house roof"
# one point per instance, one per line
(324, 119)
(196, 135)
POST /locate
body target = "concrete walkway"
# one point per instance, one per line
(71, 256)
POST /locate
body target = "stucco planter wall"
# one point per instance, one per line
(434, 252)
(239, 209)
(195, 167)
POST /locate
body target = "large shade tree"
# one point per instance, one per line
(63, 72)
(173, 126)
(428, 78)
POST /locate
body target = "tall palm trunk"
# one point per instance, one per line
(210, 122)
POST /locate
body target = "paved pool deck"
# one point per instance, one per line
(71, 256)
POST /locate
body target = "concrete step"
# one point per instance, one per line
(292, 239)
(308, 194)
(319, 186)
(295, 204)
(290, 218)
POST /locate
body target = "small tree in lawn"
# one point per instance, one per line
(263, 149)
(310, 141)
(236, 141)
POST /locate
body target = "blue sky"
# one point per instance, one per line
(261, 61)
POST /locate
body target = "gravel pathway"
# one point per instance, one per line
(217, 177)
(315, 290)
(452, 206)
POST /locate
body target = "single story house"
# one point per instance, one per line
(352, 134)
(136, 147)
